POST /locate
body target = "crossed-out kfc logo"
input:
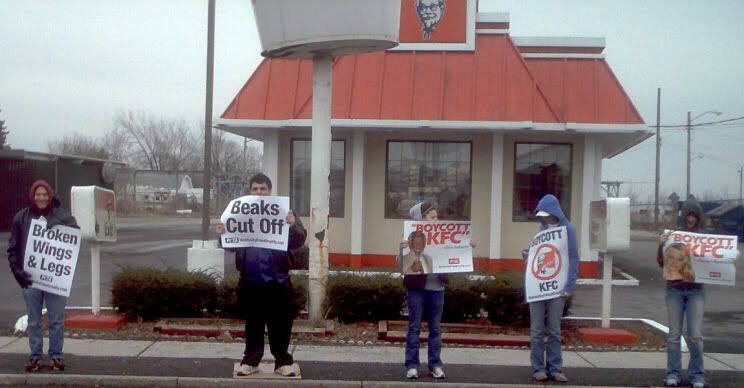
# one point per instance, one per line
(546, 266)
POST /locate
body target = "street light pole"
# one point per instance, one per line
(741, 171)
(689, 129)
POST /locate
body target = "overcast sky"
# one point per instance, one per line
(68, 66)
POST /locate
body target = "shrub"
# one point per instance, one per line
(149, 293)
(352, 298)
(462, 299)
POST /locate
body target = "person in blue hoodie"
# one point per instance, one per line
(549, 366)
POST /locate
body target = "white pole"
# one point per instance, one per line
(606, 290)
(319, 185)
(95, 277)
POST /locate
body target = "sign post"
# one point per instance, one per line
(94, 208)
(610, 233)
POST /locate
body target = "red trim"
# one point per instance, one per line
(587, 269)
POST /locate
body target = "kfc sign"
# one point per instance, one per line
(436, 21)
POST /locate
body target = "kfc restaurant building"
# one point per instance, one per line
(462, 114)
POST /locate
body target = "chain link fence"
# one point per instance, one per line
(146, 192)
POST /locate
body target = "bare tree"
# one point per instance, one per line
(156, 144)
(78, 144)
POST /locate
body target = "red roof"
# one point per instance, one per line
(493, 83)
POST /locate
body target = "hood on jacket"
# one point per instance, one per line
(420, 209)
(691, 205)
(550, 204)
(53, 200)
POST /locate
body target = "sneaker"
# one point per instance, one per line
(559, 377)
(58, 364)
(33, 365)
(412, 374)
(539, 376)
(246, 370)
(438, 373)
(698, 384)
(671, 382)
(286, 371)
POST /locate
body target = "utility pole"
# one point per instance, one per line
(741, 171)
(689, 129)
(658, 156)
(208, 123)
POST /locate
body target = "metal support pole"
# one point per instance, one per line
(741, 171)
(208, 125)
(606, 290)
(319, 185)
(658, 157)
(689, 128)
(95, 277)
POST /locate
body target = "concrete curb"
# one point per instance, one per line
(66, 380)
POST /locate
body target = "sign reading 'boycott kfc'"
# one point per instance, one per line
(547, 265)
(436, 247)
(712, 256)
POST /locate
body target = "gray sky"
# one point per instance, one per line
(68, 66)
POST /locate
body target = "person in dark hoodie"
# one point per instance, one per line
(43, 204)
(265, 293)
(684, 299)
(550, 365)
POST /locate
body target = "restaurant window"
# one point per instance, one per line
(300, 177)
(540, 169)
(439, 172)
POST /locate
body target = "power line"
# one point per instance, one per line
(684, 126)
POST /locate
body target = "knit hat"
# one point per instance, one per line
(35, 186)
(419, 210)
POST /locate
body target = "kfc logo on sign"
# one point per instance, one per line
(430, 14)
(454, 261)
(715, 275)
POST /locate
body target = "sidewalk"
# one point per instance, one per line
(171, 363)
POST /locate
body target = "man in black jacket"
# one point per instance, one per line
(265, 293)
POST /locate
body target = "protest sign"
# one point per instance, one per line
(547, 265)
(51, 256)
(256, 221)
(436, 247)
(712, 256)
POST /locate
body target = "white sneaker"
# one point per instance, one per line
(671, 382)
(245, 370)
(412, 374)
(286, 371)
(438, 373)
(698, 384)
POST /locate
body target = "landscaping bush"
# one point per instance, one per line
(149, 293)
(352, 298)
(462, 299)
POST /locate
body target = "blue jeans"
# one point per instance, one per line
(429, 305)
(553, 310)
(55, 304)
(683, 303)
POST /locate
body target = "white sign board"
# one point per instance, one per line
(712, 256)
(610, 219)
(444, 247)
(547, 265)
(51, 256)
(94, 208)
(256, 221)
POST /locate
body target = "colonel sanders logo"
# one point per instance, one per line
(430, 14)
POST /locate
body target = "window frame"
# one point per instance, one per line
(291, 174)
(387, 161)
(566, 209)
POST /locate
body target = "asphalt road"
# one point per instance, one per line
(162, 243)
(723, 326)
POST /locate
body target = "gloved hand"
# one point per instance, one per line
(22, 277)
